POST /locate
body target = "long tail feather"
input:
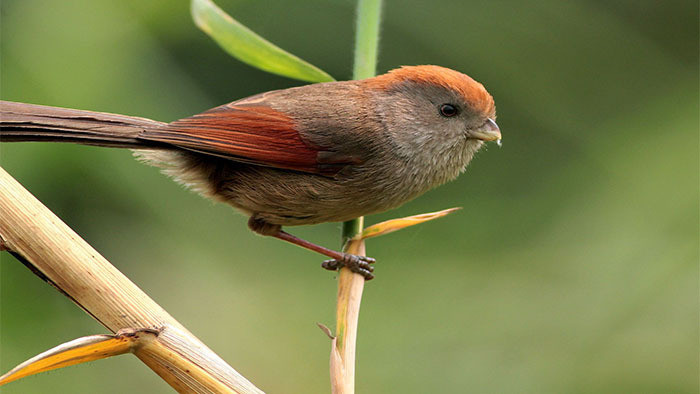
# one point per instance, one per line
(30, 122)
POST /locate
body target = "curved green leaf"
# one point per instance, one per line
(248, 47)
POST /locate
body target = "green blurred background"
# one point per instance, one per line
(572, 269)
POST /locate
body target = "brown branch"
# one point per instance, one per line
(350, 287)
(58, 255)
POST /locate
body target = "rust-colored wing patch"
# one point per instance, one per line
(247, 133)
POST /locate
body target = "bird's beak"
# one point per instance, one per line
(489, 131)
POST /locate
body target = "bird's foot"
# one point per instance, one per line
(357, 264)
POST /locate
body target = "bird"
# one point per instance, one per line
(324, 152)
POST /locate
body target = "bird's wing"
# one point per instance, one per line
(252, 132)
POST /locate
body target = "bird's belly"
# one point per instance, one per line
(288, 198)
(292, 198)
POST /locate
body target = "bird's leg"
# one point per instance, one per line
(358, 264)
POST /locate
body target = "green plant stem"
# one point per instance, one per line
(350, 285)
(352, 228)
(366, 44)
(367, 38)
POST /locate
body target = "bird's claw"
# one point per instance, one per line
(357, 264)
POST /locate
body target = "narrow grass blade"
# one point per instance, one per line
(248, 47)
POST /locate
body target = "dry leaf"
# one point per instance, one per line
(392, 225)
(77, 351)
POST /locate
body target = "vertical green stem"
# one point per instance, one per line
(367, 38)
(351, 228)
(366, 43)
(350, 285)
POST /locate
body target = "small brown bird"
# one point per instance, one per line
(325, 152)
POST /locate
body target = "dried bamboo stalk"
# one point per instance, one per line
(57, 254)
(342, 362)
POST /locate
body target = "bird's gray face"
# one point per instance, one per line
(435, 132)
(436, 120)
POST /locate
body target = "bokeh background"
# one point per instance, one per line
(572, 269)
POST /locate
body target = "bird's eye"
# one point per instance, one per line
(448, 110)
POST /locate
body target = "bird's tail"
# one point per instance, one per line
(29, 122)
